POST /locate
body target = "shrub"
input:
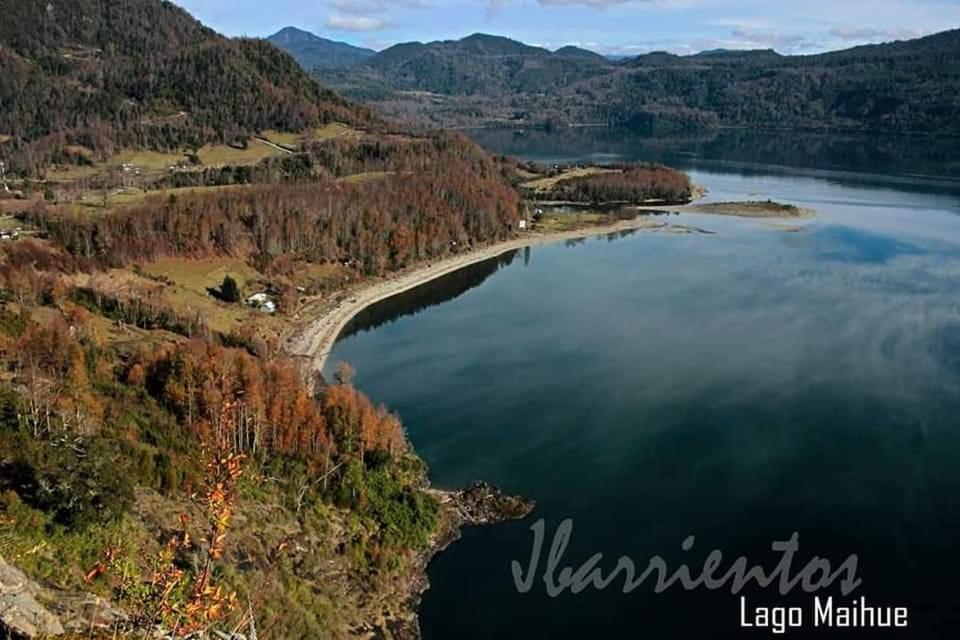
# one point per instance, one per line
(230, 290)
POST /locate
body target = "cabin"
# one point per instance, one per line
(523, 225)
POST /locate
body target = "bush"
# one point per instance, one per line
(405, 516)
(230, 290)
(77, 486)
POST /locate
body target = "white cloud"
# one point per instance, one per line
(368, 7)
(874, 35)
(495, 5)
(588, 3)
(342, 22)
(783, 42)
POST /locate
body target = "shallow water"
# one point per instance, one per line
(737, 387)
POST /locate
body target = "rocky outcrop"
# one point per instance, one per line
(31, 610)
(21, 614)
(482, 503)
(478, 504)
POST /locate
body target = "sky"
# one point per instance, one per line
(611, 27)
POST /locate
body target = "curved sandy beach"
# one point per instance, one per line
(321, 322)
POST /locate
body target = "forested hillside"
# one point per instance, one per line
(910, 86)
(314, 52)
(479, 65)
(173, 201)
(378, 204)
(104, 74)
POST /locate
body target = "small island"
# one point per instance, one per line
(568, 197)
(751, 209)
(607, 185)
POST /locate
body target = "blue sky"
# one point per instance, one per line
(626, 27)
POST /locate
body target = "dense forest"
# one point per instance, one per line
(636, 184)
(424, 199)
(909, 86)
(104, 74)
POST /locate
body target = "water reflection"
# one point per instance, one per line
(430, 294)
(738, 387)
(924, 165)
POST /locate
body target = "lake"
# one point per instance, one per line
(736, 387)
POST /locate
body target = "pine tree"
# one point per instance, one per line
(230, 290)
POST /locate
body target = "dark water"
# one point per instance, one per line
(737, 387)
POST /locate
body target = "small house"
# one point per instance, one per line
(523, 225)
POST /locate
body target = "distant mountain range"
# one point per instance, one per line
(314, 52)
(906, 86)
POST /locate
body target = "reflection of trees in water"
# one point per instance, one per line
(740, 151)
(429, 294)
(620, 235)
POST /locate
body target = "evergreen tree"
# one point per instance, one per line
(230, 290)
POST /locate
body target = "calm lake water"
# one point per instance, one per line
(737, 387)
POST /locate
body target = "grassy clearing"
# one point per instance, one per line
(546, 184)
(332, 130)
(79, 150)
(191, 280)
(283, 139)
(71, 173)
(218, 155)
(9, 222)
(370, 176)
(199, 275)
(93, 203)
(560, 222)
(145, 160)
(149, 162)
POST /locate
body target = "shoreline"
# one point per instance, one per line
(318, 331)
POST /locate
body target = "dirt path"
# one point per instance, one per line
(321, 323)
(276, 146)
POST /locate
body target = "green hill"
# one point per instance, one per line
(476, 65)
(140, 73)
(909, 86)
(313, 52)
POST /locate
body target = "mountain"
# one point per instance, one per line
(480, 65)
(738, 54)
(578, 52)
(314, 52)
(142, 73)
(908, 86)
